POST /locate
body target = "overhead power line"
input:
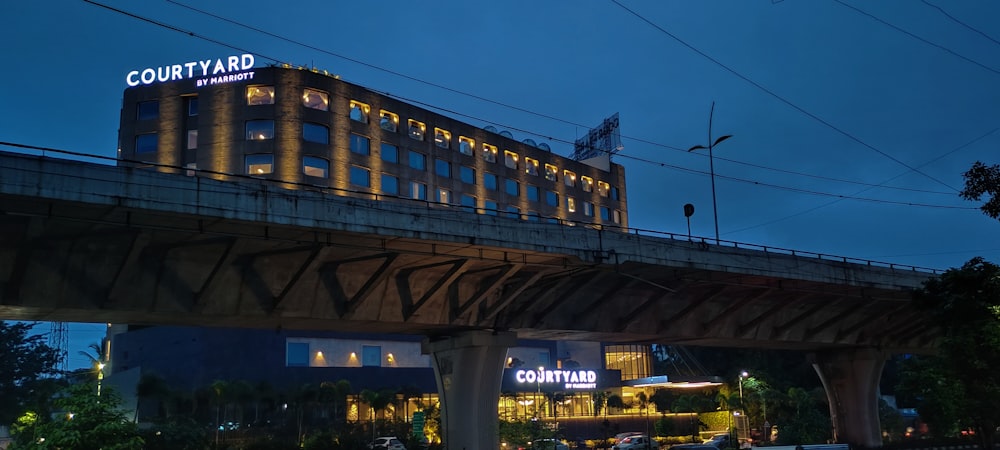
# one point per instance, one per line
(914, 36)
(639, 159)
(779, 97)
(955, 19)
(960, 147)
(506, 105)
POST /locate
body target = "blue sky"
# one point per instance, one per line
(899, 84)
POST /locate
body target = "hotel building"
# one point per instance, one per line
(310, 129)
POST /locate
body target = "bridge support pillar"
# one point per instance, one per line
(851, 378)
(468, 367)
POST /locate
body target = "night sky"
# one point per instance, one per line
(852, 121)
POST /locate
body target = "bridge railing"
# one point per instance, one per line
(426, 204)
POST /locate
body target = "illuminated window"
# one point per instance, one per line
(551, 198)
(467, 174)
(260, 95)
(315, 167)
(510, 159)
(147, 143)
(359, 111)
(605, 213)
(192, 105)
(531, 166)
(632, 360)
(192, 140)
(360, 176)
(587, 183)
(550, 172)
(192, 167)
(442, 138)
(511, 187)
(314, 99)
(588, 209)
(314, 132)
(490, 182)
(416, 129)
(148, 110)
(490, 207)
(360, 144)
(258, 130)
(442, 168)
(513, 212)
(489, 153)
(534, 194)
(388, 121)
(569, 178)
(570, 204)
(617, 216)
(418, 160)
(418, 191)
(390, 184)
(389, 153)
(603, 188)
(260, 164)
(466, 146)
(443, 196)
(468, 201)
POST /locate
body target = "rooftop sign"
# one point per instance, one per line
(207, 72)
(605, 139)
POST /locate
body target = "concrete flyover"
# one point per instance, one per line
(96, 243)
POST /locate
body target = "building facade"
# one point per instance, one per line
(542, 379)
(310, 129)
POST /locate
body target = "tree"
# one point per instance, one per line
(808, 424)
(662, 399)
(89, 422)
(965, 304)
(26, 367)
(982, 180)
(150, 386)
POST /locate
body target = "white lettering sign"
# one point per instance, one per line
(570, 379)
(210, 71)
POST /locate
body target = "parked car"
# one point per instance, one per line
(620, 436)
(719, 440)
(694, 447)
(387, 443)
(636, 442)
(549, 444)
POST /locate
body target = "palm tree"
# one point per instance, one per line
(150, 385)
(600, 402)
(242, 394)
(643, 402)
(383, 400)
(615, 401)
(406, 393)
(220, 391)
(263, 391)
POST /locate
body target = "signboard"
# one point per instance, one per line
(418, 423)
(205, 72)
(553, 380)
(606, 139)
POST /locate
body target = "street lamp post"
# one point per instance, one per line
(100, 377)
(744, 421)
(711, 166)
